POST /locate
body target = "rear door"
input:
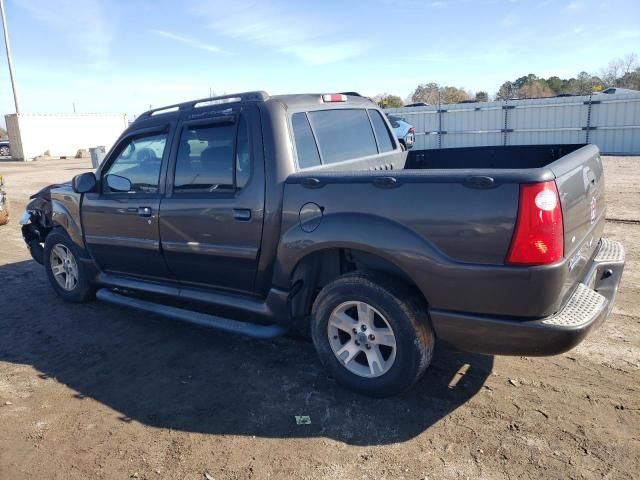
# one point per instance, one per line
(121, 228)
(211, 219)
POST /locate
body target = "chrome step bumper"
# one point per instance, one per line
(589, 305)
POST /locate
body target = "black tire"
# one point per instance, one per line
(404, 312)
(82, 290)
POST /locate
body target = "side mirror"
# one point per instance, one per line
(84, 183)
(116, 183)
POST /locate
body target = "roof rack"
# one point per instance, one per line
(257, 96)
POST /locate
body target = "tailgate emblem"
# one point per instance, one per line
(593, 210)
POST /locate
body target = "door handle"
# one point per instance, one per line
(242, 214)
(145, 211)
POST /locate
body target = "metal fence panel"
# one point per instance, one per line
(610, 121)
(617, 124)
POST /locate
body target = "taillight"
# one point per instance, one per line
(334, 97)
(412, 130)
(538, 238)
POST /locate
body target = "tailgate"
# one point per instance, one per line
(580, 181)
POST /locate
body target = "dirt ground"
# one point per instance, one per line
(97, 391)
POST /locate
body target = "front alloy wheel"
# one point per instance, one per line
(64, 267)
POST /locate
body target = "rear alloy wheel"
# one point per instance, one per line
(4, 151)
(372, 333)
(361, 339)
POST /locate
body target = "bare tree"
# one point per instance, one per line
(612, 72)
(629, 64)
(427, 93)
(482, 96)
(582, 84)
(434, 94)
(384, 100)
(535, 89)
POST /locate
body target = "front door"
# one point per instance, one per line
(211, 218)
(121, 227)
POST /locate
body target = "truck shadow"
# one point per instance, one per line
(170, 375)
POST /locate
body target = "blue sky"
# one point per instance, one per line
(122, 56)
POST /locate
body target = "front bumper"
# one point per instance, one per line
(588, 306)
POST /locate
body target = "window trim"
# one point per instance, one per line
(375, 135)
(221, 121)
(118, 149)
(250, 150)
(295, 145)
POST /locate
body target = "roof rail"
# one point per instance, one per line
(257, 96)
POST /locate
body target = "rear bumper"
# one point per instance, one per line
(588, 306)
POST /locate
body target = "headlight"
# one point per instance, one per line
(25, 218)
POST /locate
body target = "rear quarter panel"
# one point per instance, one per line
(451, 240)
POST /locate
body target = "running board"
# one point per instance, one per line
(202, 319)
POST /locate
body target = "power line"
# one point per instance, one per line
(8, 49)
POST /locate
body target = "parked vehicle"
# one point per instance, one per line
(251, 213)
(404, 131)
(613, 90)
(4, 204)
(418, 104)
(5, 148)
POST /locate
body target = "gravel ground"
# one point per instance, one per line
(97, 391)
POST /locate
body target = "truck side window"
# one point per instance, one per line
(385, 144)
(140, 162)
(305, 144)
(343, 134)
(205, 159)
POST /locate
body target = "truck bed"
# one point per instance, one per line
(449, 219)
(494, 157)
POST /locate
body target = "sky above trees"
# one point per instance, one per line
(114, 56)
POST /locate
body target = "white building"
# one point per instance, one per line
(61, 134)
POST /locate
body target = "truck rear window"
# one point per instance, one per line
(343, 134)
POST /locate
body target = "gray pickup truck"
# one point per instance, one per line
(254, 214)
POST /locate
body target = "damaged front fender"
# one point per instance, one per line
(36, 223)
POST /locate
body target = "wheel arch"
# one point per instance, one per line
(323, 265)
(63, 219)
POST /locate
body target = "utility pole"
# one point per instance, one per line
(8, 49)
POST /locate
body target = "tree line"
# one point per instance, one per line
(622, 72)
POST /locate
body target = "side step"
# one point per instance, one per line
(203, 319)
